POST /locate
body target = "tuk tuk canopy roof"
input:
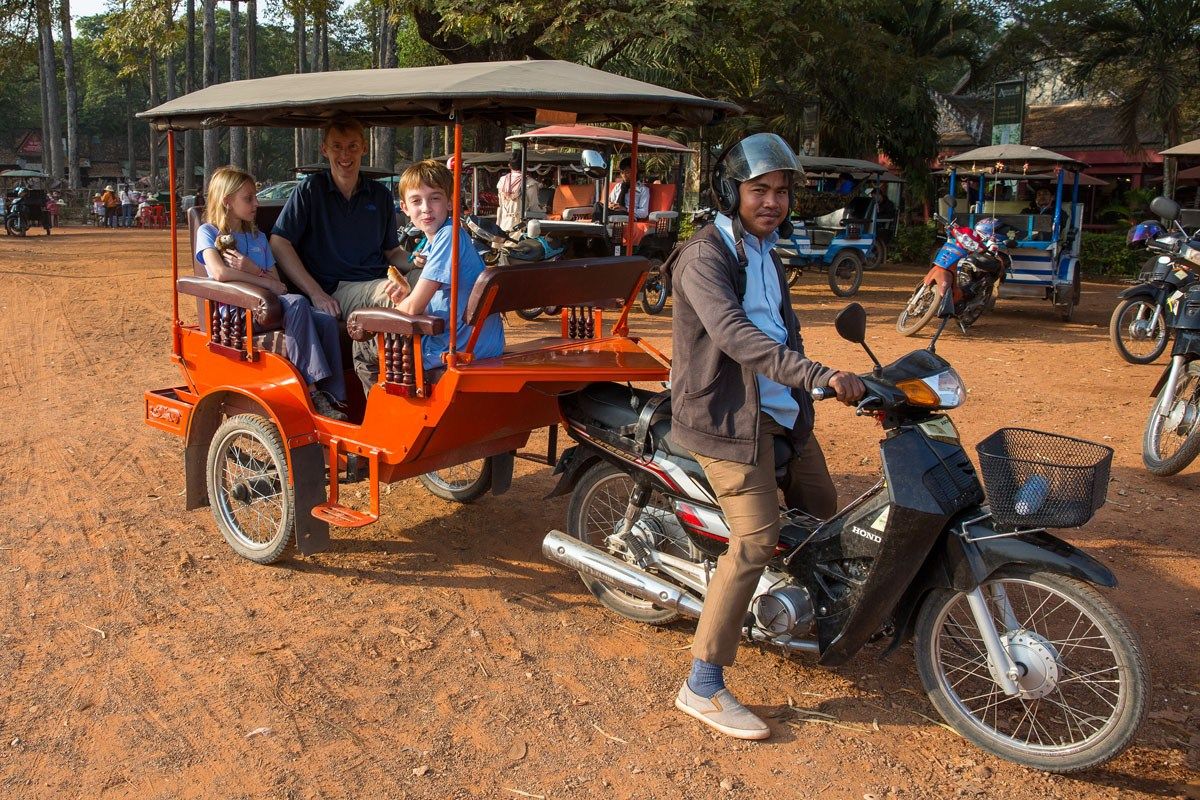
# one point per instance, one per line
(22, 173)
(1191, 148)
(591, 134)
(1011, 154)
(500, 159)
(832, 166)
(499, 91)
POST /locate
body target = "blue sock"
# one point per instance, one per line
(706, 679)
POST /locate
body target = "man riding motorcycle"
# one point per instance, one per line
(740, 380)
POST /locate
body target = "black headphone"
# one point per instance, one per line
(725, 195)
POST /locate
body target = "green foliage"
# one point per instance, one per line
(1107, 254)
(913, 244)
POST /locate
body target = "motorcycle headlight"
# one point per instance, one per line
(944, 390)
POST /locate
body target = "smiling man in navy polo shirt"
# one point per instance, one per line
(337, 235)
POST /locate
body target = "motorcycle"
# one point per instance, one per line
(500, 248)
(972, 264)
(1172, 437)
(1141, 321)
(1015, 647)
(25, 210)
(657, 288)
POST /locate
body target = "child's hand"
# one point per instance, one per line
(235, 260)
(396, 290)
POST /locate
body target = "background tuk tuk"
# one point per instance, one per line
(653, 237)
(1044, 247)
(834, 226)
(255, 449)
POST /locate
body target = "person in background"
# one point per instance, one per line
(128, 205)
(618, 195)
(112, 206)
(509, 189)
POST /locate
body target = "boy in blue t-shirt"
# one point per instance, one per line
(425, 196)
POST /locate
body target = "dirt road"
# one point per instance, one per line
(436, 654)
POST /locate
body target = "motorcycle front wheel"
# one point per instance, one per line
(596, 513)
(919, 309)
(1172, 438)
(1083, 688)
(15, 226)
(530, 313)
(1135, 338)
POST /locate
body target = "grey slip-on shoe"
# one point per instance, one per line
(722, 712)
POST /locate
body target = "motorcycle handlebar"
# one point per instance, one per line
(822, 393)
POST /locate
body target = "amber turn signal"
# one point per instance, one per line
(919, 392)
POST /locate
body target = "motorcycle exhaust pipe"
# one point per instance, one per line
(582, 557)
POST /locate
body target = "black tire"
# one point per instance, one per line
(1171, 443)
(1131, 335)
(846, 273)
(1085, 719)
(654, 290)
(14, 225)
(877, 255)
(530, 313)
(920, 308)
(463, 483)
(597, 509)
(793, 272)
(249, 490)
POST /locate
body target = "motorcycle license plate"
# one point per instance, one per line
(940, 429)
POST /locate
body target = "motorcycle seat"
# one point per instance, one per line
(616, 408)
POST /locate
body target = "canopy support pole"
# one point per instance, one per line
(452, 350)
(633, 187)
(176, 339)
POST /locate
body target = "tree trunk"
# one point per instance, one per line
(153, 148)
(45, 107)
(189, 85)
(74, 180)
(130, 150)
(237, 135)
(171, 77)
(49, 70)
(251, 72)
(418, 151)
(385, 138)
(212, 141)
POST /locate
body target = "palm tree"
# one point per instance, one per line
(1142, 51)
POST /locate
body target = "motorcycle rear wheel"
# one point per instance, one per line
(1084, 688)
(654, 290)
(1166, 450)
(530, 313)
(1127, 330)
(919, 309)
(596, 511)
(792, 273)
(462, 483)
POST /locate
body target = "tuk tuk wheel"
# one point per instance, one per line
(846, 273)
(249, 490)
(462, 483)
(877, 255)
(793, 273)
(530, 314)
(654, 290)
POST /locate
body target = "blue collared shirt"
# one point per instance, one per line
(764, 296)
(339, 239)
(437, 269)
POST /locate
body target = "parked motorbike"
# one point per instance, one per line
(25, 209)
(972, 264)
(1016, 648)
(1172, 437)
(656, 288)
(500, 248)
(1140, 323)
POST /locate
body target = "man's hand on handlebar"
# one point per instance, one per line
(848, 387)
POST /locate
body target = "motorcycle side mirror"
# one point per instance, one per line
(1166, 208)
(593, 164)
(851, 325)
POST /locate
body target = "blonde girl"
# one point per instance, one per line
(231, 248)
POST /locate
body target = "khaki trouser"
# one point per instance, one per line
(351, 296)
(748, 495)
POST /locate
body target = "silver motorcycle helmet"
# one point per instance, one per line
(754, 156)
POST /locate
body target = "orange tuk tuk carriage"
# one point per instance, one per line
(256, 451)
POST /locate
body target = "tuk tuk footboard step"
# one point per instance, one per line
(343, 516)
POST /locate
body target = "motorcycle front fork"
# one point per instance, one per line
(1166, 398)
(1004, 670)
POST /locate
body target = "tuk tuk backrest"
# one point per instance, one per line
(578, 281)
(662, 196)
(571, 196)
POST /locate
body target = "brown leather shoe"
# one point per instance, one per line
(722, 712)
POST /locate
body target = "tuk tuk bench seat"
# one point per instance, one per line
(571, 282)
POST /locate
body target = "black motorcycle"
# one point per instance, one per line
(1172, 437)
(1140, 324)
(26, 208)
(1016, 648)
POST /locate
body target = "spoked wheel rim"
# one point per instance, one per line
(1141, 338)
(1171, 430)
(604, 507)
(250, 497)
(459, 476)
(1072, 692)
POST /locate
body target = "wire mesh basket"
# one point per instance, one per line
(1042, 480)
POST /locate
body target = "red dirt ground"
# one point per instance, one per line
(436, 654)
